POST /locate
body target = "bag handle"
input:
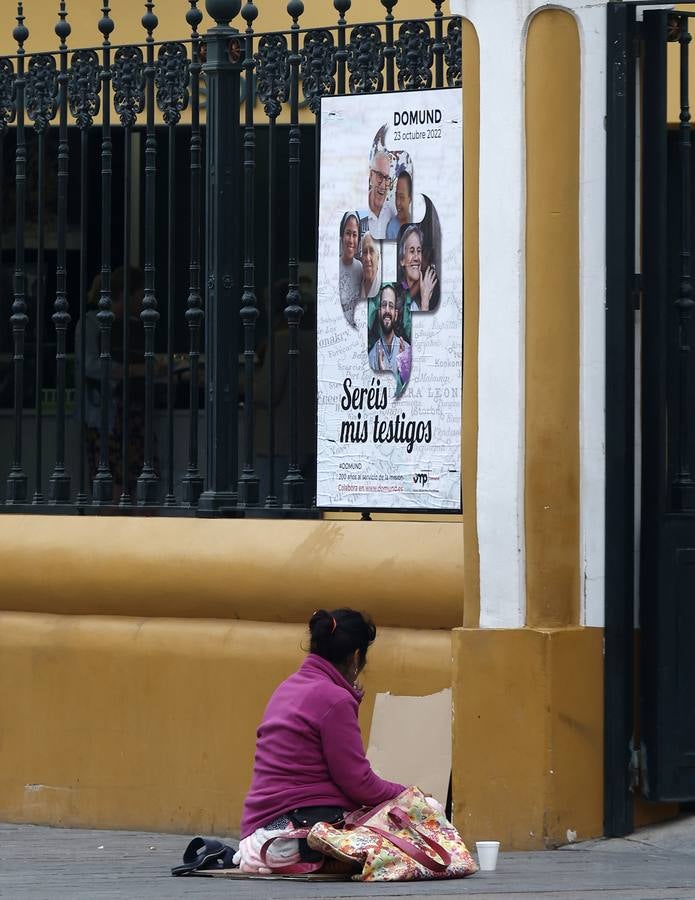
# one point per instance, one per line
(282, 836)
(415, 852)
(401, 817)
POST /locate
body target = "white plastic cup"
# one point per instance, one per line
(487, 855)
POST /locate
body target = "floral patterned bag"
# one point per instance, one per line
(404, 839)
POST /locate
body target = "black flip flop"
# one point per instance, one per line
(205, 853)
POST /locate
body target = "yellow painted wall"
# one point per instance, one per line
(150, 723)
(552, 320)
(405, 574)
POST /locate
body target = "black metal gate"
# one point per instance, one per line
(179, 179)
(650, 246)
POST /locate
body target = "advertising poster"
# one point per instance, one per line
(390, 302)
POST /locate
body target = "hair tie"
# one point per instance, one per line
(333, 620)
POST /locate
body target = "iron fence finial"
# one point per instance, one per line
(63, 28)
(341, 7)
(249, 14)
(223, 11)
(295, 8)
(149, 20)
(194, 17)
(106, 24)
(20, 32)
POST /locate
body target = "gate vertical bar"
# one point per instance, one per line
(171, 80)
(7, 115)
(294, 482)
(620, 437)
(192, 482)
(389, 46)
(317, 73)
(341, 6)
(438, 45)
(38, 327)
(102, 486)
(222, 70)
(81, 374)
(40, 104)
(126, 498)
(272, 86)
(170, 498)
(59, 484)
(271, 500)
(17, 479)
(683, 497)
(148, 480)
(40, 304)
(248, 483)
(83, 96)
(655, 312)
(128, 79)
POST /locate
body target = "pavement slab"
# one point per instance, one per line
(42, 863)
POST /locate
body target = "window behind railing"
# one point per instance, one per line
(158, 254)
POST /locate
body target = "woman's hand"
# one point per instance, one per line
(428, 283)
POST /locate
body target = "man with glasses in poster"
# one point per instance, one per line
(380, 211)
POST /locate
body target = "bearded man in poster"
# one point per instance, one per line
(390, 352)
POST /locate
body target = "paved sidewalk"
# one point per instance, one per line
(74, 864)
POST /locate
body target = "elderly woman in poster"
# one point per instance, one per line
(418, 274)
(371, 267)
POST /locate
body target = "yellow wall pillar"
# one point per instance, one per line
(528, 746)
(552, 321)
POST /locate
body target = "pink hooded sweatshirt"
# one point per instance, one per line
(309, 750)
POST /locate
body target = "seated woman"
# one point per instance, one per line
(309, 750)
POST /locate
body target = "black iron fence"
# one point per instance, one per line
(158, 250)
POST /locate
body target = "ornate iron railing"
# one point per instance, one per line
(110, 392)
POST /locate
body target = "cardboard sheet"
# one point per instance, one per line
(410, 741)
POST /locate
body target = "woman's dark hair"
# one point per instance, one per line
(335, 635)
(351, 214)
(406, 175)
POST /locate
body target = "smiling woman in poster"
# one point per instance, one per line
(350, 281)
(371, 267)
(418, 284)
